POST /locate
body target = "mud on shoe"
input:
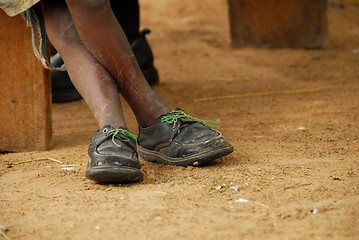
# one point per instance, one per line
(113, 157)
(179, 139)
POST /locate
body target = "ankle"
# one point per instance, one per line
(149, 120)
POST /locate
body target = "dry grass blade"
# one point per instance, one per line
(40, 159)
(3, 234)
(244, 95)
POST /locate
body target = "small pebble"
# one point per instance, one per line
(314, 211)
(68, 169)
(241, 200)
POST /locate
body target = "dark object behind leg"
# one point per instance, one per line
(62, 88)
(144, 57)
(127, 13)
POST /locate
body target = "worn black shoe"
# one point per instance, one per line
(113, 157)
(179, 139)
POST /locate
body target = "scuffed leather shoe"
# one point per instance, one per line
(113, 157)
(179, 139)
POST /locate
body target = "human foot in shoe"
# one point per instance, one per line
(179, 139)
(113, 157)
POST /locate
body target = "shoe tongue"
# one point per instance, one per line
(114, 144)
(185, 120)
(108, 147)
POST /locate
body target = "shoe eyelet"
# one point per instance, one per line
(105, 130)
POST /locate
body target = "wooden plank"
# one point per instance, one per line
(25, 99)
(278, 23)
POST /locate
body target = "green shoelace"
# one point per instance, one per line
(117, 133)
(174, 115)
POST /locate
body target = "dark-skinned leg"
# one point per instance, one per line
(113, 151)
(111, 48)
(91, 79)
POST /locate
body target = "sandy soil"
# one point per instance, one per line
(293, 174)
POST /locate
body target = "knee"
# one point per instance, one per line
(60, 27)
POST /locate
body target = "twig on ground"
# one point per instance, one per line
(298, 185)
(261, 204)
(2, 233)
(39, 159)
(244, 95)
(242, 200)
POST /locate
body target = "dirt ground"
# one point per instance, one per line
(293, 174)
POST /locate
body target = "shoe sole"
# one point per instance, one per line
(106, 174)
(197, 159)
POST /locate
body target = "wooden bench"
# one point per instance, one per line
(278, 23)
(25, 99)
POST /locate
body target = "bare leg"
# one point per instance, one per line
(91, 79)
(101, 34)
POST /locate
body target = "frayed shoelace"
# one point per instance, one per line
(116, 134)
(174, 115)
